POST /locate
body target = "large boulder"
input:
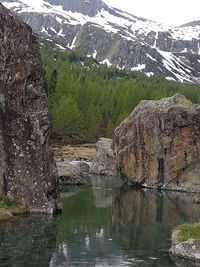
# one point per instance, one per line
(188, 250)
(70, 174)
(82, 165)
(102, 163)
(158, 145)
(27, 169)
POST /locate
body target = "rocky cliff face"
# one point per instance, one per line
(116, 37)
(86, 7)
(27, 168)
(158, 145)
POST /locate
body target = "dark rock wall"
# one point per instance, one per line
(27, 168)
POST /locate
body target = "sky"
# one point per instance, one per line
(171, 12)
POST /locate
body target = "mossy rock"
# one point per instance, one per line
(9, 208)
(184, 232)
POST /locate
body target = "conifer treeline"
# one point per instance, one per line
(88, 100)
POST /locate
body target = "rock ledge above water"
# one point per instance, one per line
(70, 174)
(189, 250)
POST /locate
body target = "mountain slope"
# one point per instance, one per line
(116, 37)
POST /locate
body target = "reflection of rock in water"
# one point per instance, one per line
(131, 232)
(68, 191)
(103, 189)
(144, 220)
(28, 241)
(184, 263)
(60, 257)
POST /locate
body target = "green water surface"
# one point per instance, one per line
(101, 225)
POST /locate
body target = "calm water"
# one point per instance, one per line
(101, 225)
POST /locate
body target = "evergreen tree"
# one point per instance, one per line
(66, 119)
(88, 100)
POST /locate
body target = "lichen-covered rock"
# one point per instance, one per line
(158, 145)
(70, 174)
(189, 250)
(27, 169)
(82, 165)
(102, 163)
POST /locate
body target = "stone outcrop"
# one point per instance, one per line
(83, 166)
(70, 174)
(102, 163)
(27, 169)
(188, 250)
(89, 7)
(158, 145)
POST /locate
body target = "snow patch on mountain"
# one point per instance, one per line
(139, 67)
(94, 55)
(170, 78)
(156, 39)
(107, 62)
(153, 59)
(176, 67)
(73, 43)
(106, 19)
(149, 74)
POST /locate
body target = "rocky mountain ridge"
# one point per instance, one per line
(116, 37)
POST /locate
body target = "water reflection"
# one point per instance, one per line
(101, 225)
(142, 222)
(103, 188)
(83, 235)
(105, 226)
(27, 241)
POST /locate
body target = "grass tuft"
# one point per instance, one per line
(9, 208)
(188, 231)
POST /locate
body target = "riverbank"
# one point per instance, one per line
(79, 152)
(73, 163)
(101, 225)
(9, 208)
(184, 232)
(185, 250)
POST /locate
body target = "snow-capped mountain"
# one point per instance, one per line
(116, 37)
